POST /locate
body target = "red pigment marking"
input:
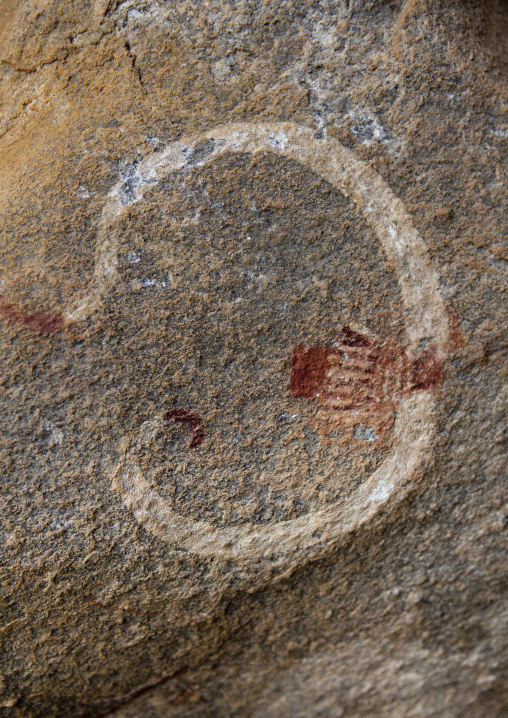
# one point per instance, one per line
(194, 421)
(362, 378)
(41, 323)
(457, 339)
(309, 370)
(426, 372)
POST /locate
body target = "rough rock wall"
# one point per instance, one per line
(253, 358)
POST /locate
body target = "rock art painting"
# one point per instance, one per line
(39, 323)
(253, 341)
(379, 391)
(361, 379)
(304, 441)
(194, 422)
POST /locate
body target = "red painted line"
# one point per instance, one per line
(39, 323)
(194, 421)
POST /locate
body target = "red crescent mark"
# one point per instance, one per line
(40, 323)
(194, 421)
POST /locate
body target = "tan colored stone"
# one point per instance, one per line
(253, 358)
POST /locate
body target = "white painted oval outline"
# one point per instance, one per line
(426, 320)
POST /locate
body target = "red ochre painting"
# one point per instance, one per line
(360, 379)
(39, 323)
(194, 422)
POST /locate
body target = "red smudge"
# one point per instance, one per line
(194, 421)
(361, 378)
(309, 370)
(457, 339)
(427, 371)
(355, 339)
(40, 323)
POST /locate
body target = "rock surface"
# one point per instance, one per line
(253, 358)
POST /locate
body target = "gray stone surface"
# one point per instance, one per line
(253, 358)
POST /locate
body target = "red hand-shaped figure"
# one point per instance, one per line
(361, 379)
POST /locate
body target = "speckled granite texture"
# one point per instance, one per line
(253, 321)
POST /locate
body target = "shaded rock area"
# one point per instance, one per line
(253, 358)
